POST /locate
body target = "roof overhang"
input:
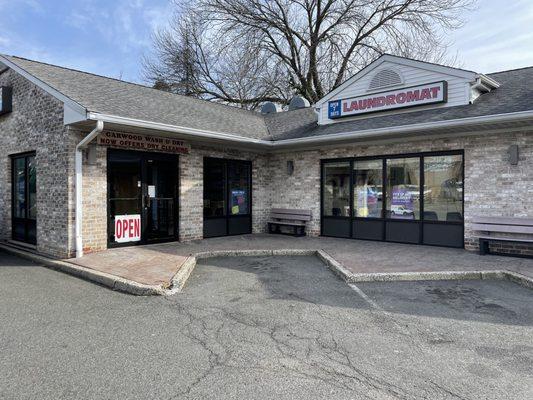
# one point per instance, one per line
(73, 111)
(464, 126)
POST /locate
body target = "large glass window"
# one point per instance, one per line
(443, 188)
(214, 188)
(336, 189)
(239, 187)
(368, 188)
(19, 187)
(403, 188)
(24, 212)
(409, 198)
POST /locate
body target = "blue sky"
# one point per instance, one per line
(110, 37)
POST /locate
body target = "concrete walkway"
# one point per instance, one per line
(158, 264)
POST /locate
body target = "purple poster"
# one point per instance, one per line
(402, 202)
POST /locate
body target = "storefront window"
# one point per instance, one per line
(24, 212)
(368, 189)
(214, 188)
(403, 188)
(336, 189)
(32, 189)
(19, 188)
(443, 188)
(239, 187)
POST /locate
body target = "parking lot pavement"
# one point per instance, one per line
(263, 328)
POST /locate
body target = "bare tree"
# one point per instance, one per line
(248, 51)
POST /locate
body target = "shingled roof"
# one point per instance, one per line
(118, 98)
(115, 97)
(513, 95)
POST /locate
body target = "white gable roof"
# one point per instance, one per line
(393, 75)
(395, 60)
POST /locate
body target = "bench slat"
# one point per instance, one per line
(506, 239)
(287, 223)
(290, 216)
(503, 228)
(503, 221)
(291, 211)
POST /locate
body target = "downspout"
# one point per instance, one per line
(79, 178)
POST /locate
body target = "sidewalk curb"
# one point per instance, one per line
(351, 277)
(179, 280)
(111, 281)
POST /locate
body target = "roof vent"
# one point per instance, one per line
(298, 102)
(269, 108)
(384, 78)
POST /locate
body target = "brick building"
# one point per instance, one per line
(404, 151)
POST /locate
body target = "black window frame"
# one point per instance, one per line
(351, 219)
(25, 221)
(141, 157)
(228, 217)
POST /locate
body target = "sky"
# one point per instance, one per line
(110, 37)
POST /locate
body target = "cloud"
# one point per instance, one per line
(4, 41)
(124, 24)
(496, 37)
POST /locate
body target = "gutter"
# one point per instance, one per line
(79, 183)
(196, 133)
(321, 139)
(336, 137)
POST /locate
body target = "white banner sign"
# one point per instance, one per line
(143, 142)
(127, 228)
(429, 93)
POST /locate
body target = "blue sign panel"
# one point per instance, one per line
(334, 109)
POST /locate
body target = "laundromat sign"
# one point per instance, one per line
(429, 93)
(143, 142)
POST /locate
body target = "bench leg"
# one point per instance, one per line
(483, 247)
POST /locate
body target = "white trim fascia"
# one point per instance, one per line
(199, 133)
(392, 139)
(401, 61)
(366, 70)
(321, 139)
(47, 88)
(486, 119)
(493, 83)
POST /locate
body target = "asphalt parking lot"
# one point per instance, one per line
(263, 328)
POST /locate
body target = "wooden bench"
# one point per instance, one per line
(492, 226)
(294, 219)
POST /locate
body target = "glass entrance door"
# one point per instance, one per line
(227, 197)
(160, 198)
(142, 197)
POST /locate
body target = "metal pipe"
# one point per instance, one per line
(79, 185)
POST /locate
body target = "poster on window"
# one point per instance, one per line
(402, 203)
(127, 228)
(238, 202)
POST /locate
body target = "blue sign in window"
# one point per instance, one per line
(334, 109)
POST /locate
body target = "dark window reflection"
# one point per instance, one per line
(336, 189)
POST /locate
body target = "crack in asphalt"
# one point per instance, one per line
(258, 326)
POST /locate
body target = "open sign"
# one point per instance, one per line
(127, 228)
